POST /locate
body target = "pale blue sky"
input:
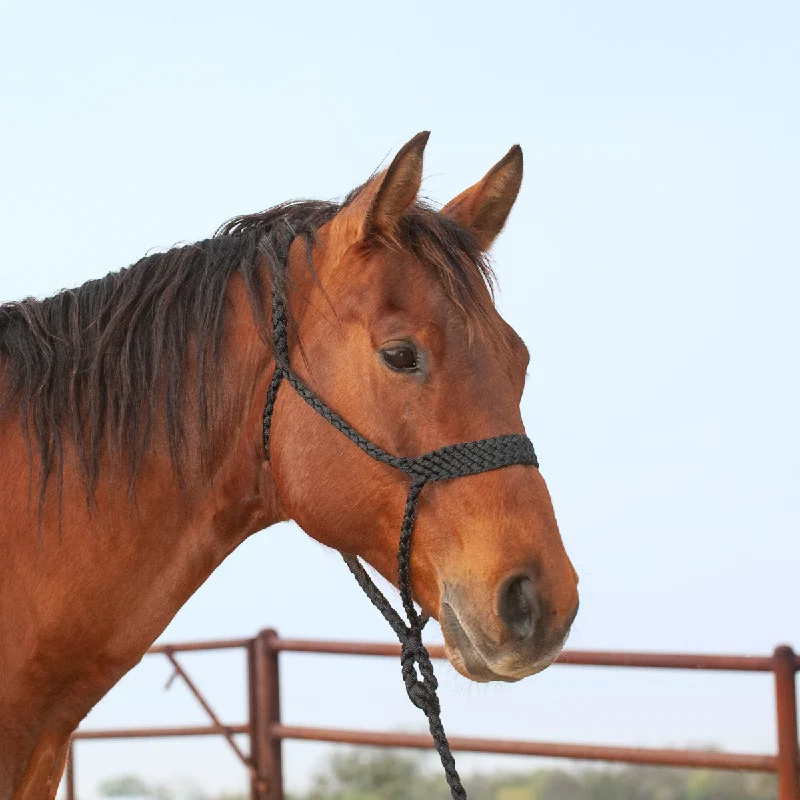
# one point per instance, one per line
(651, 265)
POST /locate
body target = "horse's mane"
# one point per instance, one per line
(98, 365)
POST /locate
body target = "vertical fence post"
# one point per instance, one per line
(784, 667)
(265, 711)
(69, 776)
(257, 778)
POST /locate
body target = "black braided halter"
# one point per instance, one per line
(453, 461)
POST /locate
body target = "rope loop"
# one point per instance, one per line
(422, 697)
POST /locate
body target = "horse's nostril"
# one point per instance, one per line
(518, 607)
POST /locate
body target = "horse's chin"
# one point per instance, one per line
(470, 660)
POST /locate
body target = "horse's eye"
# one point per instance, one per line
(402, 357)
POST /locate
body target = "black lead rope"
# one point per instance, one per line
(453, 461)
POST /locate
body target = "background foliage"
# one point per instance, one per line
(387, 775)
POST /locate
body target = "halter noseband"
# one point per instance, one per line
(452, 461)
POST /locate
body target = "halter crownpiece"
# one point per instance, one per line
(452, 461)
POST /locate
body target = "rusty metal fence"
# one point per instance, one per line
(265, 731)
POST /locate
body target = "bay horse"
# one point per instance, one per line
(132, 460)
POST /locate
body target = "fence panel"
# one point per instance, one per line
(266, 732)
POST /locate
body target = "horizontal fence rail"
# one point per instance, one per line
(583, 658)
(266, 733)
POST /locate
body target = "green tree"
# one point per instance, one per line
(125, 786)
(361, 775)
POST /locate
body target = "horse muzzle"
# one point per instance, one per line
(522, 636)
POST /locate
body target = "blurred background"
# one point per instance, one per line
(652, 265)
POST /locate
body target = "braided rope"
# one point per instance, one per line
(414, 654)
(452, 461)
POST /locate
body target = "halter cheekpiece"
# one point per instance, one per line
(452, 461)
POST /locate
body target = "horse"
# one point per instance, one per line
(133, 462)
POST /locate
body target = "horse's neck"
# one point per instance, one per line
(84, 599)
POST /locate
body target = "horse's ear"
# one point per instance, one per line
(378, 207)
(484, 207)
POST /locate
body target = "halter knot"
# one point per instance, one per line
(422, 693)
